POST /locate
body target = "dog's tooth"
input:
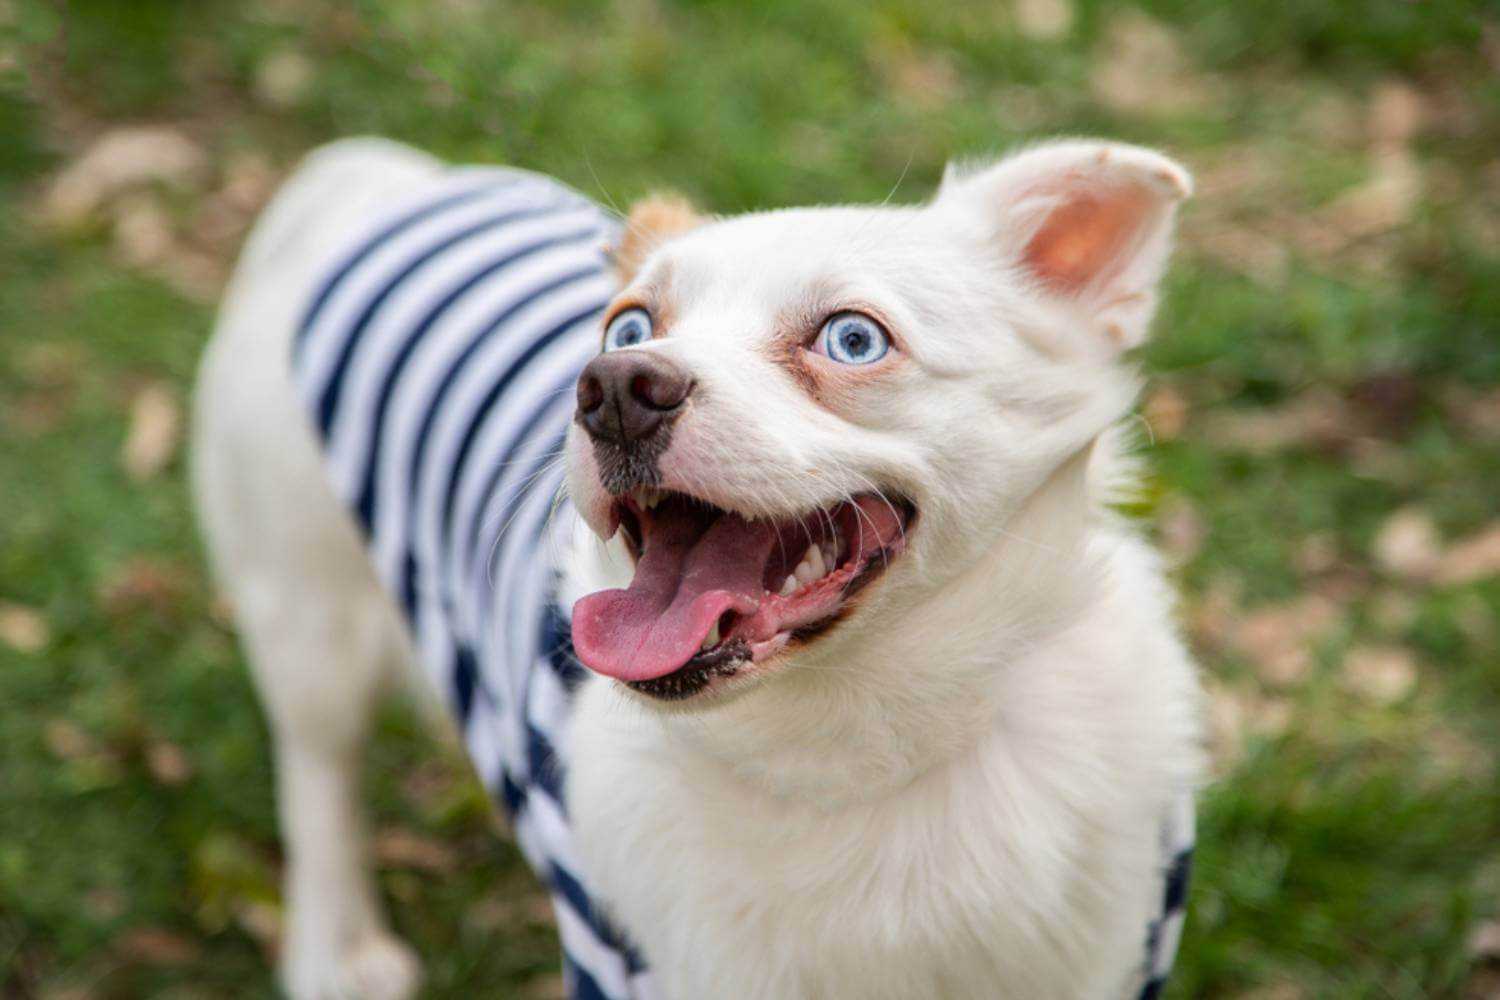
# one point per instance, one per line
(804, 571)
(789, 586)
(815, 557)
(712, 639)
(830, 553)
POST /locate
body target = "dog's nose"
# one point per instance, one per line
(626, 396)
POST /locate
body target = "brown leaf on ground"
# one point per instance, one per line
(283, 78)
(262, 921)
(168, 763)
(1044, 20)
(395, 847)
(1278, 639)
(1484, 942)
(1140, 68)
(23, 629)
(156, 946)
(1384, 201)
(155, 427)
(547, 986)
(1236, 713)
(1380, 674)
(1477, 412)
(499, 913)
(1408, 545)
(1317, 554)
(69, 741)
(145, 583)
(1182, 530)
(117, 161)
(1317, 418)
(1166, 412)
(1470, 559)
(1397, 111)
(142, 230)
(922, 78)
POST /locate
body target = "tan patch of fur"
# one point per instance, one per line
(653, 220)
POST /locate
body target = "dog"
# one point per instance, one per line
(769, 564)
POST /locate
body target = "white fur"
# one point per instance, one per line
(958, 791)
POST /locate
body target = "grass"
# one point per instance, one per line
(1326, 359)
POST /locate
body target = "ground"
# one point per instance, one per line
(1322, 430)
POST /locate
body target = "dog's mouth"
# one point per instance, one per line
(714, 591)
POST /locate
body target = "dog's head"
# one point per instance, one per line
(808, 418)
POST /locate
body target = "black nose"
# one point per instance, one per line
(626, 396)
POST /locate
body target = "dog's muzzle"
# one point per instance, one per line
(627, 403)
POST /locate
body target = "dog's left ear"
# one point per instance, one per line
(1087, 224)
(653, 220)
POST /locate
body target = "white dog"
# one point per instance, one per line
(884, 702)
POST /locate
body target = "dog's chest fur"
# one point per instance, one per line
(1027, 865)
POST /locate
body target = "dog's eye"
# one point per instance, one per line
(631, 327)
(852, 338)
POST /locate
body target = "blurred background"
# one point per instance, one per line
(1323, 423)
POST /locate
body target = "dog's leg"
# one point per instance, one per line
(319, 672)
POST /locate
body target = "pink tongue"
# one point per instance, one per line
(685, 580)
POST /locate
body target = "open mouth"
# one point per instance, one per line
(714, 591)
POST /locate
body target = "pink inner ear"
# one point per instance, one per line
(1086, 239)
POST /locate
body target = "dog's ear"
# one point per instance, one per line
(653, 220)
(1087, 224)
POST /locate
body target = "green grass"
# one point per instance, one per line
(1349, 847)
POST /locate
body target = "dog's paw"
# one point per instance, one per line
(377, 967)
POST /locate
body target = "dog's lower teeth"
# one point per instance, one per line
(789, 587)
(712, 639)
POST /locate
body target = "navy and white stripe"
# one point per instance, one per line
(437, 358)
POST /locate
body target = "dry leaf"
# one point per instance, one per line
(145, 583)
(1182, 530)
(1141, 69)
(1470, 559)
(262, 921)
(1407, 545)
(1396, 114)
(156, 946)
(1234, 714)
(1384, 201)
(547, 986)
(1380, 674)
(1484, 942)
(1044, 20)
(1318, 417)
(22, 628)
(117, 161)
(399, 848)
(143, 230)
(1278, 639)
(283, 78)
(68, 741)
(167, 762)
(155, 425)
(1317, 554)
(1166, 413)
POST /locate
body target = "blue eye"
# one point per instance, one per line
(631, 327)
(852, 338)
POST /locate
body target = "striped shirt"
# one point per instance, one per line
(437, 358)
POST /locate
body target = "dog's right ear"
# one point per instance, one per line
(1086, 225)
(653, 220)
